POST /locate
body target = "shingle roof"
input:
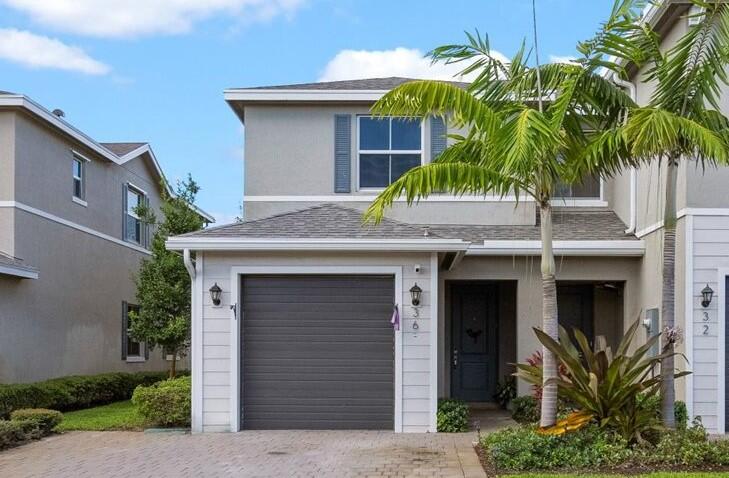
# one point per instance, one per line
(363, 84)
(120, 149)
(8, 260)
(322, 221)
(337, 222)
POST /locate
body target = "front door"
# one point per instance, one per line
(474, 331)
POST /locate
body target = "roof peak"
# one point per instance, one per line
(377, 83)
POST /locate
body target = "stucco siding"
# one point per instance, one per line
(217, 322)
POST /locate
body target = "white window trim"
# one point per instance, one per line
(79, 201)
(130, 211)
(237, 271)
(359, 151)
(81, 160)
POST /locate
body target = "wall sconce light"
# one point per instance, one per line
(215, 292)
(415, 293)
(707, 293)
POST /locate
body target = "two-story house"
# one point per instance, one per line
(302, 336)
(70, 244)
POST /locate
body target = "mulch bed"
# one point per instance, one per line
(492, 471)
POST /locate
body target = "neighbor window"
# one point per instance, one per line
(388, 147)
(133, 221)
(133, 350)
(79, 178)
(588, 188)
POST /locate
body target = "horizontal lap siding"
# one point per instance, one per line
(216, 327)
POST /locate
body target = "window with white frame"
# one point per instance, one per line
(387, 148)
(79, 178)
(588, 188)
(134, 224)
(133, 350)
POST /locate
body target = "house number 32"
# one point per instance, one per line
(706, 329)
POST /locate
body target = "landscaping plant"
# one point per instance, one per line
(166, 403)
(603, 383)
(452, 416)
(17, 432)
(505, 391)
(46, 420)
(163, 284)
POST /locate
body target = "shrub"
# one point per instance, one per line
(523, 448)
(46, 420)
(505, 391)
(653, 403)
(525, 409)
(13, 433)
(452, 416)
(165, 403)
(74, 392)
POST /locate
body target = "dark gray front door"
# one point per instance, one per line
(576, 309)
(475, 347)
(317, 352)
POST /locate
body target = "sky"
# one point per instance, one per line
(155, 70)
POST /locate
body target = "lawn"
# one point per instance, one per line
(115, 416)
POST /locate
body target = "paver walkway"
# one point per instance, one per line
(248, 454)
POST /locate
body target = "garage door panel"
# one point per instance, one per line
(317, 352)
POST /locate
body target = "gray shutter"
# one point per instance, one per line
(125, 328)
(342, 153)
(438, 138)
(125, 191)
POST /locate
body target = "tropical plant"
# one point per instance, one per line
(163, 284)
(682, 121)
(610, 386)
(537, 360)
(516, 143)
(505, 391)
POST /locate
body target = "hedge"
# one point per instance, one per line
(13, 433)
(166, 403)
(46, 420)
(74, 392)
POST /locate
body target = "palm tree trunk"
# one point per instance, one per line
(550, 323)
(668, 306)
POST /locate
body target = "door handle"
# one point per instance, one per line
(455, 358)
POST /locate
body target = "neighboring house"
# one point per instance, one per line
(302, 338)
(70, 244)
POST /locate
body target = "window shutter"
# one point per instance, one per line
(342, 153)
(125, 193)
(125, 328)
(438, 138)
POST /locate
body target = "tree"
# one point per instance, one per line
(681, 122)
(514, 144)
(163, 284)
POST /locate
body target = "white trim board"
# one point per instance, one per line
(627, 248)
(237, 271)
(196, 307)
(688, 325)
(21, 272)
(689, 211)
(273, 244)
(246, 95)
(71, 224)
(434, 309)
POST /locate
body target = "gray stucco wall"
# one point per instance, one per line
(69, 320)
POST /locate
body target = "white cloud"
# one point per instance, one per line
(38, 51)
(130, 18)
(562, 59)
(405, 62)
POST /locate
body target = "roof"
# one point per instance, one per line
(329, 222)
(120, 149)
(360, 84)
(10, 265)
(323, 221)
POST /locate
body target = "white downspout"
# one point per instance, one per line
(188, 263)
(633, 172)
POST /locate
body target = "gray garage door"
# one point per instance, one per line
(318, 352)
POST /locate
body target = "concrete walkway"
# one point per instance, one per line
(248, 454)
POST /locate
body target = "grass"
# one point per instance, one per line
(115, 416)
(649, 475)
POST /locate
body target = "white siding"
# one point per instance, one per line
(710, 257)
(417, 379)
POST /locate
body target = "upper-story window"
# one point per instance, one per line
(79, 178)
(588, 188)
(387, 148)
(134, 226)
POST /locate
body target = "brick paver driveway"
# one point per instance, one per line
(247, 454)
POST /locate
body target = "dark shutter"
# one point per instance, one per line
(342, 153)
(125, 193)
(438, 138)
(125, 328)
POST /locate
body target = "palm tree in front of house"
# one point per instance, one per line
(514, 144)
(682, 121)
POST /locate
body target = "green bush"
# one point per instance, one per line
(74, 392)
(653, 402)
(452, 416)
(46, 420)
(505, 391)
(13, 433)
(166, 403)
(525, 409)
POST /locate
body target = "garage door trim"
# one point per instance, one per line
(235, 342)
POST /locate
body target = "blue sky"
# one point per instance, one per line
(155, 70)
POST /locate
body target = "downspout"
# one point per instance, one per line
(188, 263)
(628, 85)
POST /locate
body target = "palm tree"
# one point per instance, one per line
(514, 144)
(681, 122)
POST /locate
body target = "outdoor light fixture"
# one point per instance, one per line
(215, 292)
(706, 295)
(415, 292)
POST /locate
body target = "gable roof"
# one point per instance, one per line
(356, 84)
(120, 149)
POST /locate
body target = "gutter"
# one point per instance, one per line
(632, 92)
(279, 244)
(188, 263)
